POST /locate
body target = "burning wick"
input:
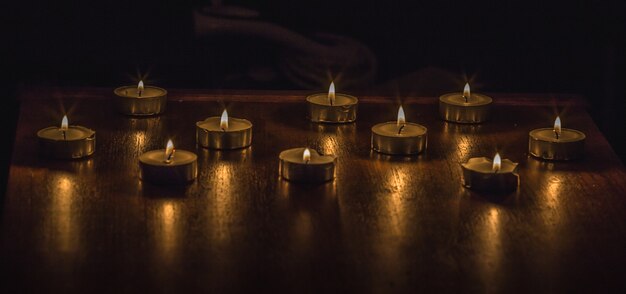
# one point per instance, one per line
(64, 125)
(140, 89)
(401, 120)
(306, 156)
(466, 92)
(497, 163)
(331, 94)
(169, 152)
(557, 127)
(224, 121)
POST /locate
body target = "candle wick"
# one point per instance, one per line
(169, 156)
(223, 129)
(400, 129)
(466, 98)
(556, 134)
(139, 93)
(64, 136)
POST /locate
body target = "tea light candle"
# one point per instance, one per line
(556, 143)
(307, 166)
(465, 107)
(331, 107)
(399, 137)
(67, 142)
(140, 100)
(224, 132)
(497, 175)
(168, 166)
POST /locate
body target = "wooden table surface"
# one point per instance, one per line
(385, 224)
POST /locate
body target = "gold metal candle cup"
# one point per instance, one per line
(78, 142)
(343, 110)
(238, 135)
(542, 143)
(412, 140)
(321, 168)
(478, 175)
(182, 169)
(453, 108)
(152, 101)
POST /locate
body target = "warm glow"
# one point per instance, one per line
(497, 162)
(169, 151)
(140, 87)
(64, 123)
(306, 155)
(224, 120)
(331, 93)
(401, 118)
(466, 91)
(557, 127)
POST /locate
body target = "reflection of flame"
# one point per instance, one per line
(466, 91)
(401, 118)
(306, 155)
(64, 123)
(497, 162)
(63, 216)
(169, 151)
(331, 93)
(224, 120)
(557, 126)
(168, 224)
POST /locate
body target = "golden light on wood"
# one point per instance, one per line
(497, 162)
(169, 151)
(331, 93)
(224, 121)
(401, 117)
(64, 123)
(557, 127)
(466, 92)
(306, 155)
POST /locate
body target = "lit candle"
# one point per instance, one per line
(332, 107)
(484, 174)
(465, 107)
(399, 137)
(168, 166)
(224, 132)
(306, 165)
(66, 141)
(556, 143)
(140, 99)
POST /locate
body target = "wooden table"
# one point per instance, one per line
(385, 224)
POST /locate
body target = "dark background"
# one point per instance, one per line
(421, 47)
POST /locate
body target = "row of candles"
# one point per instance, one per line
(172, 166)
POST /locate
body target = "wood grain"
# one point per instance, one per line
(385, 224)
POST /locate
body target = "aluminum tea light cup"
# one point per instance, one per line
(168, 166)
(224, 133)
(486, 175)
(399, 137)
(66, 142)
(556, 143)
(305, 165)
(140, 100)
(465, 107)
(332, 107)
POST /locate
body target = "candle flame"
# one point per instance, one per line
(306, 155)
(140, 87)
(224, 121)
(169, 151)
(401, 118)
(466, 92)
(557, 127)
(64, 123)
(497, 163)
(331, 93)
